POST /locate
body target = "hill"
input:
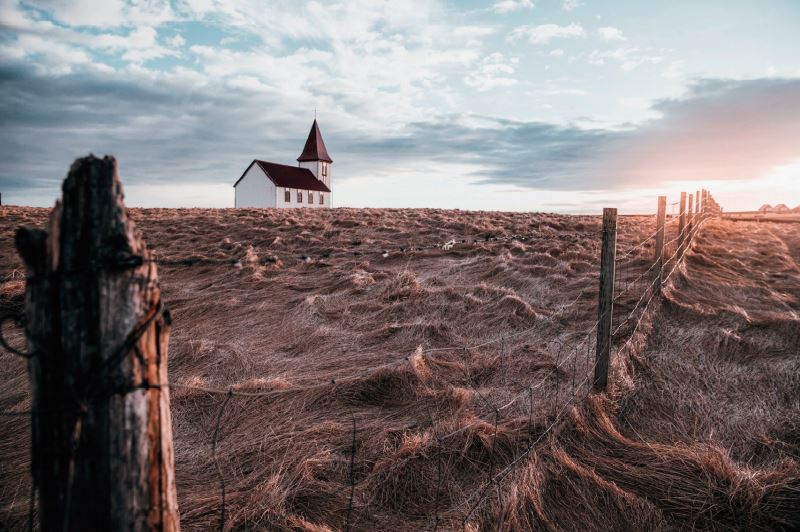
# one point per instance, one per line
(463, 368)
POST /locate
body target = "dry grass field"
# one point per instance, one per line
(762, 217)
(332, 323)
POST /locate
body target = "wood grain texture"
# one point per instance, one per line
(605, 306)
(102, 436)
(661, 215)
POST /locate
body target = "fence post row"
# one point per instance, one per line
(102, 456)
(605, 306)
(686, 227)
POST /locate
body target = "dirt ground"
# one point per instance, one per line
(464, 369)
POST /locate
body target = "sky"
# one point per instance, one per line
(540, 105)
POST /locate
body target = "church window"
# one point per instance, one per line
(299, 196)
(310, 198)
(287, 195)
(324, 169)
(321, 198)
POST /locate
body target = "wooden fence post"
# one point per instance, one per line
(605, 306)
(660, 223)
(689, 220)
(97, 332)
(697, 205)
(681, 227)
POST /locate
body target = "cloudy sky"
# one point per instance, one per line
(555, 105)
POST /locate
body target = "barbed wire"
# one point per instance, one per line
(558, 416)
(573, 351)
(652, 284)
(641, 244)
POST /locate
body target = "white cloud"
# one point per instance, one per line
(638, 103)
(505, 6)
(97, 13)
(344, 69)
(348, 77)
(544, 33)
(674, 70)
(473, 36)
(628, 58)
(561, 92)
(54, 44)
(558, 52)
(611, 33)
(569, 5)
(137, 46)
(494, 70)
(175, 42)
(50, 58)
(107, 13)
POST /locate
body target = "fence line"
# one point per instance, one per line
(563, 351)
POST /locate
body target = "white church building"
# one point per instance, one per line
(308, 185)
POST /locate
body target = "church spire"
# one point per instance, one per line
(314, 149)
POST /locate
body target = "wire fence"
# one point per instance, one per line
(532, 408)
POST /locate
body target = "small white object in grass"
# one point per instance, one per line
(449, 245)
(237, 265)
(385, 254)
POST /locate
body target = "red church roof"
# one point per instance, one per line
(314, 149)
(288, 176)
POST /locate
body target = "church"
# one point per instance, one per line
(307, 185)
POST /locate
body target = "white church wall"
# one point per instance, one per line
(255, 189)
(311, 165)
(293, 204)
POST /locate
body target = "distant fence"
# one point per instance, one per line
(84, 382)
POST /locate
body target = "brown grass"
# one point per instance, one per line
(701, 428)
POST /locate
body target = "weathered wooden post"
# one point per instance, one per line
(697, 205)
(682, 227)
(689, 220)
(660, 223)
(102, 456)
(605, 305)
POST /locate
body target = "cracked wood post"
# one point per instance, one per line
(102, 456)
(605, 306)
(681, 227)
(690, 221)
(700, 203)
(660, 222)
(698, 206)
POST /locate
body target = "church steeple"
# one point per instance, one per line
(314, 149)
(315, 156)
